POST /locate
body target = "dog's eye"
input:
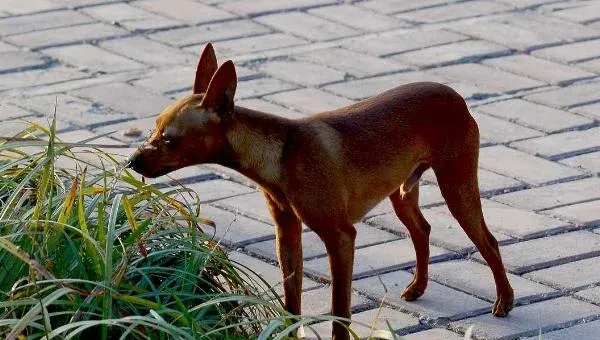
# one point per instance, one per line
(167, 140)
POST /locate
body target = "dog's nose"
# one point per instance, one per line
(135, 161)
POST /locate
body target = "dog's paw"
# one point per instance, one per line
(502, 306)
(412, 292)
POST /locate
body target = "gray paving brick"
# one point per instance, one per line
(568, 96)
(496, 130)
(395, 6)
(358, 18)
(549, 251)
(580, 14)
(260, 87)
(589, 161)
(584, 331)
(265, 106)
(300, 72)
(125, 98)
(592, 111)
(540, 69)
(528, 320)
(235, 230)
(309, 100)
(266, 271)
(41, 21)
(130, 17)
(318, 301)
(210, 32)
(489, 182)
(9, 111)
(587, 214)
(534, 115)
(66, 35)
(463, 51)
(368, 261)
(93, 58)
(14, 126)
(149, 52)
(403, 42)
(487, 77)
(38, 77)
(30, 6)
(218, 189)
(185, 10)
(433, 334)
(167, 80)
(562, 145)
(74, 110)
(437, 302)
(4, 47)
(542, 23)
(522, 166)
(553, 195)
(454, 11)
(306, 26)
(119, 130)
(230, 48)
(571, 52)
(20, 60)
(313, 246)
(356, 64)
(569, 276)
(590, 65)
(590, 294)
(252, 205)
(363, 88)
(257, 7)
(477, 279)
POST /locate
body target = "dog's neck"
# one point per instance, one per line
(254, 143)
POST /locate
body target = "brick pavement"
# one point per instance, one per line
(530, 70)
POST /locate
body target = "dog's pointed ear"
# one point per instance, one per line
(207, 66)
(221, 90)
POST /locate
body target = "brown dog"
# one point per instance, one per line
(329, 169)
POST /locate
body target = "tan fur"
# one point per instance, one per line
(328, 170)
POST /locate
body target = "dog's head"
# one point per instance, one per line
(190, 130)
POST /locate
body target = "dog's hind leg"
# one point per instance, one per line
(406, 206)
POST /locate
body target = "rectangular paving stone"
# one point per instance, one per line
(130, 17)
(489, 182)
(592, 110)
(573, 52)
(549, 251)
(196, 35)
(358, 18)
(168, 80)
(568, 31)
(252, 205)
(4, 47)
(121, 131)
(309, 100)
(318, 301)
(368, 261)
(528, 320)
(38, 77)
(534, 115)
(395, 6)
(553, 195)
(218, 189)
(74, 110)
(387, 45)
(306, 26)
(568, 96)
(41, 21)
(363, 88)
(540, 69)
(569, 276)
(477, 279)
(522, 166)
(234, 47)
(590, 294)
(9, 111)
(583, 331)
(20, 60)
(433, 334)
(235, 230)
(257, 7)
(586, 214)
(125, 98)
(589, 161)
(266, 271)
(300, 72)
(353, 63)
(487, 77)
(149, 52)
(497, 130)
(437, 302)
(454, 11)
(585, 13)
(561, 145)
(187, 11)
(93, 58)
(463, 51)
(66, 35)
(265, 106)
(30, 6)
(260, 87)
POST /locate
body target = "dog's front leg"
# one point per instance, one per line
(339, 242)
(288, 230)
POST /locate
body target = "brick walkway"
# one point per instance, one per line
(530, 70)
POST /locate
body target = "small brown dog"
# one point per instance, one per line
(328, 170)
